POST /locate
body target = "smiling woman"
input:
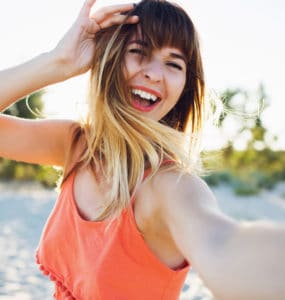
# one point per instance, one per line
(130, 198)
(162, 65)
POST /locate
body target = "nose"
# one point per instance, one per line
(153, 71)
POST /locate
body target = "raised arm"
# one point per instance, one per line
(235, 260)
(45, 141)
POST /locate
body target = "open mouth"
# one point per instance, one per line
(144, 101)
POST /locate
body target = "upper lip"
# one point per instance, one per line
(148, 90)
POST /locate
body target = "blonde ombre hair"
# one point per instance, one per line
(117, 141)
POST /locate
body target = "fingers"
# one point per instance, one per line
(118, 19)
(104, 17)
(86, 8)
(112, 15)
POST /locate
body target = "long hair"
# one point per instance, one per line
(121, 143)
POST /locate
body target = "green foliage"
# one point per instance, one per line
(28, 108)
(10, 170)
(48, 176)
(257, 166)
(249, 171)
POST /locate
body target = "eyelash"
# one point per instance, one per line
(174, 65)
(142, 53)
(137, 51)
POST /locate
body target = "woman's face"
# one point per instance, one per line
(156, 81)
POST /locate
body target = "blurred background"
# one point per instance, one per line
(243, 52)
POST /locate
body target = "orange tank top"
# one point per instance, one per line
(100, 260)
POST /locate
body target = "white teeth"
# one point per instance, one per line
(144, 95)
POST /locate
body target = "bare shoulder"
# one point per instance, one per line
(189, 210)
(177, 190)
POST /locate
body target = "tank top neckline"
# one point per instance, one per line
(129, 211)
(107, 220)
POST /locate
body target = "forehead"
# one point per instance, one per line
(163, 24)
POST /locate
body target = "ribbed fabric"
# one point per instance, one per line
(100, 260)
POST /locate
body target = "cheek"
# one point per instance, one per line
(130, 67)
(179, 85)
(125, 71)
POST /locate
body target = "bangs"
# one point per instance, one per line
(169, 26)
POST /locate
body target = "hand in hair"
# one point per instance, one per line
(75, 51)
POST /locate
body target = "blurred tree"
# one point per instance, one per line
(247, 161)
(29, 107)
(243, 113)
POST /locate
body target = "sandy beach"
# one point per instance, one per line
(24, 208)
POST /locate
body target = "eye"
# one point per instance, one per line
(175, 65)
(137, 51)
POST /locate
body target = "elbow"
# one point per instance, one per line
(212, 257)
(219, 233)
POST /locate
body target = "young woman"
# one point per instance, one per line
(132, 215)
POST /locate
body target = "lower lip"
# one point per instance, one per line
(139, 107)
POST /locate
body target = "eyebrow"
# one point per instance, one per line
(140, 42)
(171, 54)
(178, 56)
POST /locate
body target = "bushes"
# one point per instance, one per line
(248, 171)
(9, 170)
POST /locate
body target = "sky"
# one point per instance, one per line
(242, 44)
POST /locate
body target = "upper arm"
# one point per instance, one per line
(199, 229)
(236, 260)
(35, 141)
(192, 215)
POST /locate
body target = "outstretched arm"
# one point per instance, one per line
(236, 260)
(45, 141)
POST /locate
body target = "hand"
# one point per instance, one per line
(75, 50)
